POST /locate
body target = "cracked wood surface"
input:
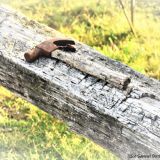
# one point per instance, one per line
(85, 63)
(125, 120)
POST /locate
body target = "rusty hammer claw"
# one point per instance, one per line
(45, 48)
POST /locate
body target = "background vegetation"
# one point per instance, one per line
(28, 133)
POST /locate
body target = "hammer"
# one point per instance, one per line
(47, 47)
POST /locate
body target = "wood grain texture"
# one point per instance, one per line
(124, 120)
(85, 63)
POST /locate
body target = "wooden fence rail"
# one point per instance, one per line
(122, 117)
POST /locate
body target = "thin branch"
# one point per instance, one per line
(125, 13)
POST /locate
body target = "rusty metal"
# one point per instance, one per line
(47, 47)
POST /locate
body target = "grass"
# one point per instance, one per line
(100, 24)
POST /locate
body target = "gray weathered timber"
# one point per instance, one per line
(125, 120)
(85, 63)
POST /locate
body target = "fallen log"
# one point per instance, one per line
(98, 97)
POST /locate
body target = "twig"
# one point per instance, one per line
(125, 13)
(132, 11)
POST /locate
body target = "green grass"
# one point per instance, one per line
(28, 133)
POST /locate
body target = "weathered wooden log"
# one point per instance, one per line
(123, 117)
